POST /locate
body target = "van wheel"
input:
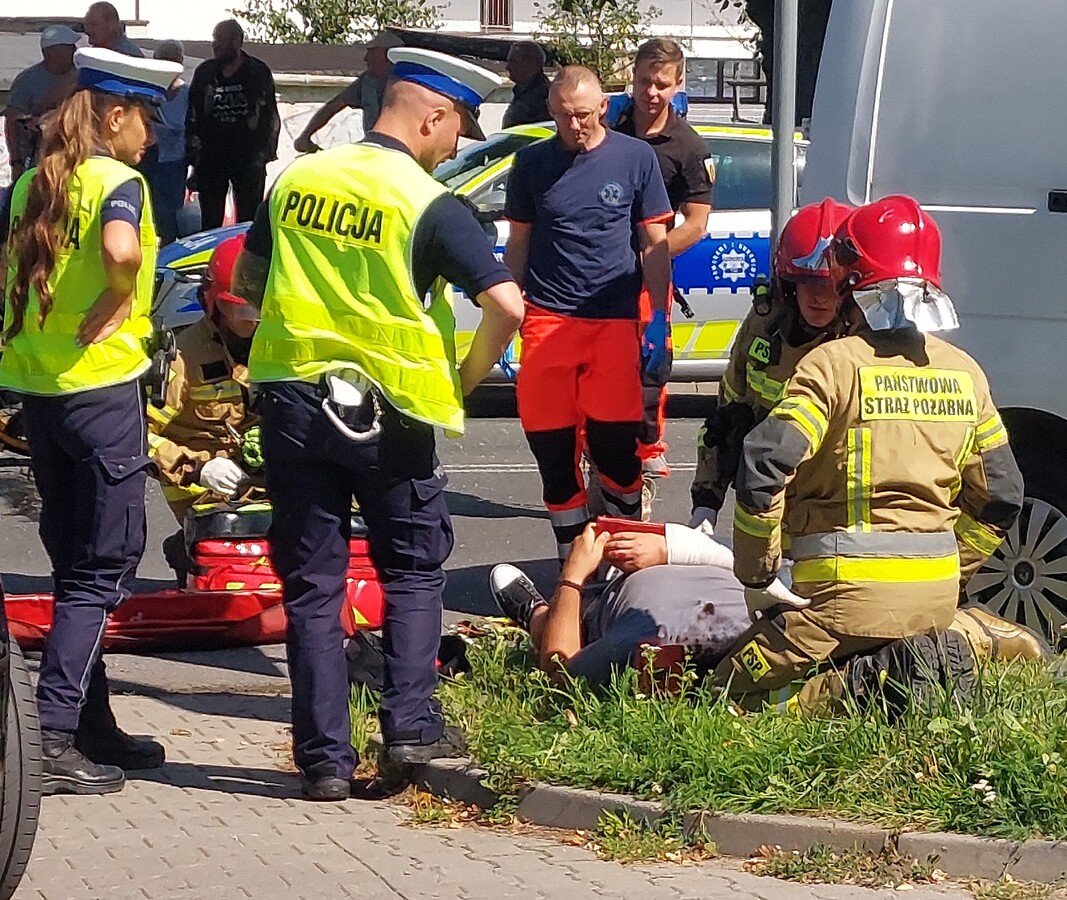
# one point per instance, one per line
(1025, 581)
(20, 805)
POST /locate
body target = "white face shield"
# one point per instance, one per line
(906, 303)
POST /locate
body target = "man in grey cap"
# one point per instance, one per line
(35, 91)
(365, 93)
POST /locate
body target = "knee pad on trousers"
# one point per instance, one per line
(555, 452)
(613, 448)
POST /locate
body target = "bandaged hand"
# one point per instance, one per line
(223, 476)
(701, 515)
(759, 600)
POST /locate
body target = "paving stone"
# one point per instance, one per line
(223, 820)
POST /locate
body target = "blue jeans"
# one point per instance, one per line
(167, 183)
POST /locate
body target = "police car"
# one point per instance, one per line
(714, 276)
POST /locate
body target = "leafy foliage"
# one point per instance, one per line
(334, 21)
(600, 34)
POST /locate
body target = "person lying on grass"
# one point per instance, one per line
(676, 591)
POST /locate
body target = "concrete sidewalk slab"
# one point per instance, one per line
(222, 820)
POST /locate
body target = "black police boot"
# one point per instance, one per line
(449, 745)
(397, 761)
(114, 747)
(329, 789)
(67, 771)
(100, 738)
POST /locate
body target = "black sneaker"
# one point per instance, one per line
(515, 594)
(67, 771)
(113, 747)
(329, 789)
(911, 670)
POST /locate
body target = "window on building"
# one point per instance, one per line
(496, 13)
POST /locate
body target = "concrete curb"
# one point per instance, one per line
(958, 855)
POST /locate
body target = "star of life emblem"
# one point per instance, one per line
(611, 193)
(733, 261)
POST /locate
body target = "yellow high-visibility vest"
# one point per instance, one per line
(46, 359)
(341, 291)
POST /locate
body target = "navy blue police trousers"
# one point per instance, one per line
(89, 458)
(313, 473)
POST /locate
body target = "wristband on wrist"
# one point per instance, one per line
(564, 582)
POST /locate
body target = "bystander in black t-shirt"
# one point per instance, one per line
(682, 156)
(234, 116)
(448, 241)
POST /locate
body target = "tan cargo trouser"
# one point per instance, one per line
(792, 663)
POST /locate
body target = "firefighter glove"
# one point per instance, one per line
(774, 596)
(223, 476)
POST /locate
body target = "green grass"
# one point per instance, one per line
(620, 838)
(823, 865)
(997, 768)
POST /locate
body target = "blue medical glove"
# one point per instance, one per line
(654, 341)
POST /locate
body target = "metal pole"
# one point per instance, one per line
(783, 115)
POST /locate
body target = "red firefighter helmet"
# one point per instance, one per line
(219, 277)
(805, 240)
(888, 239)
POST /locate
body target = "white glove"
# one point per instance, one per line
(223, 476)
(759, 600)
(704, 514)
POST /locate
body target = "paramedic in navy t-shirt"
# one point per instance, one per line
(589, 214)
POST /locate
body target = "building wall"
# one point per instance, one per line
(713, 33)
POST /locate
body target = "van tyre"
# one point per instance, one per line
(1025, 580)
(21, 802)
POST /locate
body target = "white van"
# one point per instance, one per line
(957, 103)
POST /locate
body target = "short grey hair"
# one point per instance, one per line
(171, 50)
(531, 50)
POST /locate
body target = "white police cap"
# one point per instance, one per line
(454, 78)
(131, 77)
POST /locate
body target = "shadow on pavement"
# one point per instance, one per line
(460, 504)
(249, 782)
(259, 707)
(18, 583)
(467, 590)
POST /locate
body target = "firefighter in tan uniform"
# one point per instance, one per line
(889, 468)
(802, 312)
(205, 441)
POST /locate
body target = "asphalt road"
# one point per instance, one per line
(494, 496)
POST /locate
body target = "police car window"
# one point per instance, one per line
(471, 160)
(742, 173)
(490, 197)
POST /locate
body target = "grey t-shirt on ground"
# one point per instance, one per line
(699, 606)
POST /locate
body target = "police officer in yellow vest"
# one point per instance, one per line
(350, 259)
(81, 258)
